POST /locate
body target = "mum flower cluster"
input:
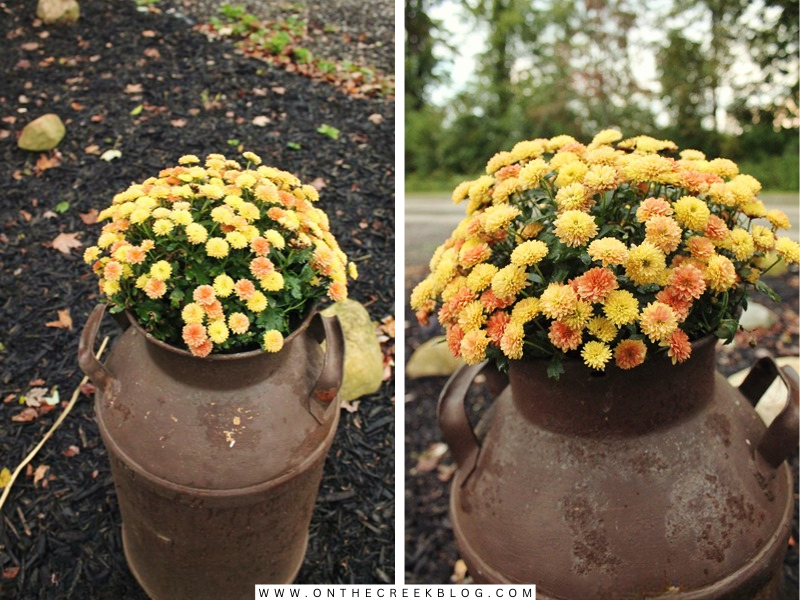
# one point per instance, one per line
(610, 251)
(218, 257)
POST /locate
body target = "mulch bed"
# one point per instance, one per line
(430, 549)
(153, 88)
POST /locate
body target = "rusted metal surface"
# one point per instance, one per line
(216, 461)
(634, 484)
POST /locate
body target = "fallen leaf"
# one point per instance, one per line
(39, 474)
(71, 451)
(76, 106)
(149, 33)
(26, 415)
(261, 121)
(49, 214)
(5, 477)
(178, 122)
(459, 572)
(89, 218)
(387, 326)
(351, 407)
(36, 382)
(444, 473)
(92, 149)
(47, 162)
(376, 118)
(88, 389)
(429, 460)
(9, 398)
(64, 320)
(10, 572)
(152, 53)
(65, 242)
(318, 183)
(30, 46)
(134, 88)
(110, 155)
(35, 397)
(25, 215)
(279, 90)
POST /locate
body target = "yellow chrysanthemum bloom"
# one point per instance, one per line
(595, 355)
(188, 159)
(692, 155)
(562, 159)
(218, 332)
(525, 310)
(110, 287)
(181, 217)
(217, 248)
(558, 300)
(161, 270)
(238, 323)
(91, 254)
(161, 213)
(498, 217)
(531, 175)
(139, 216)
(579, 317)
(601, 178)
(223, 285)
(272, 282)
(788, 250)
(473, 346)
(512, 341)
(556, 143)
(648, 167)
(479, 189)
(141, 281)
(741, 243)
(531, 230)
(763, 238)
(481, 276)
(352, 270)
(527, 149)
(602, 329)
(621, 307)
(609, 251)
(471, 317)
(275, 238)
(212, 190)
(273, 340)
(257, 302)
(196, 233)
(645, 264)
(606, 137)
(107, 239)
(509, 281)
(498, 161)
(193, 313)
(146, 203)
(572, 197)
(163, 226)
(720, 273)
(461, 192)
(778, 219)
(252, 157)
(575, 228)
(691, 212)
(236, 240)
(504, 189)
(723, 167)
(245, 180)
(573, 172)
(222, 214)
(529, 253)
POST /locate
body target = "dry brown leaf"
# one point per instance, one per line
(25, 215)
(351, 407)
(429, 460)
(279, 90)
(89, 218)
(318, 183)
(76, 106)
(65, 242)
(35, 397)
(9, 398)
(376, 118)
(149, 33)
(26, 415)
(30, 46)
(387, 326)
(152, 53)
(71, 451)
(47, 162)
(39, 474)
(64, 320)
(92, 149)
(134, 88)
(10, 572)
(261, 121)
(178, 123)
(459, 572)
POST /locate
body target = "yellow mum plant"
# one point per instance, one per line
(609, 251)
(218, 258)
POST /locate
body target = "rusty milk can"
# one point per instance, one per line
(216, 461)
(659, 482)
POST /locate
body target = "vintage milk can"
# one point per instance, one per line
(658, 482)
(217, 461)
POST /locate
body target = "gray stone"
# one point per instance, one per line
(58, 12)
(363, 359)
(757, 316)
(432, 359)
(44, 133)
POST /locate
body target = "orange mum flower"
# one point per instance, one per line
(244, 289)
(630, 353)
(260, 267)
(260, 246)
(676, 301)
(204, 295)
(194, 334)
(214, 310)
(155, 288)
(202, 350)
(715, 229)
(688, 282)
(454, 336)
(337, 292)
(496, 326)
(448, 313)
(564, 338)
(700, 247)
(658, 321)
(651, 207)
(679, 348)
(492, 302)
(594, 285)
(134, 255)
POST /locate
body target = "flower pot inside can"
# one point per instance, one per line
(660, 482)
(216, 461)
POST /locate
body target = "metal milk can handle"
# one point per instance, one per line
(457, 432)
(781, 438)
(329, 330)
(97, 372)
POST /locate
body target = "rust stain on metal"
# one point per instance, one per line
(326, 395)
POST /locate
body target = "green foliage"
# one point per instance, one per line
(328, 130)
(278, 41)
(302, 55)
(62, 207)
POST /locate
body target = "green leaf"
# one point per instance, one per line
(727, 330)
(555, 368)
(293, 146)
(768, 291)
(62, 207)
(328, 130)
(137, 111)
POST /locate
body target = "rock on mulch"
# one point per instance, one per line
(151, 89)
(430, 549)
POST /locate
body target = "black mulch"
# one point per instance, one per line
(198, 97)
(430, 549)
